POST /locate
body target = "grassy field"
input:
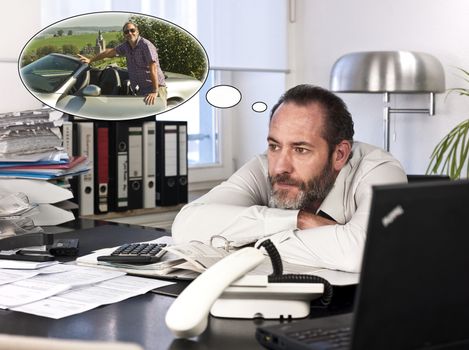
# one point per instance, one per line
(80, 40)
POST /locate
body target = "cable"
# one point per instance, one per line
(274, 256)
(277, 275)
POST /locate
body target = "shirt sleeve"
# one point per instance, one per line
(237, 210)
(338, 247)
(150, 53)
(120, 49)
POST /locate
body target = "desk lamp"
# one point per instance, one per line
(389, 72)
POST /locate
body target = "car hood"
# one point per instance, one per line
(104, 107)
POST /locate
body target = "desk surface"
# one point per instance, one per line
(141, 319)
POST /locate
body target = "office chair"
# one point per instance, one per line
(420, 178)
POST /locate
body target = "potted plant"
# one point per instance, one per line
(451, 155)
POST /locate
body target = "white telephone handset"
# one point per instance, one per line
(187, 317)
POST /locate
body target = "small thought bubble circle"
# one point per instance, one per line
(223, 96)
(259, 107)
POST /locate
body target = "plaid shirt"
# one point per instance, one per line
(138, 64)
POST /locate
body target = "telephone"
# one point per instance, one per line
(224, 292)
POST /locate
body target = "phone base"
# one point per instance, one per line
(268, 301)
(269, 309)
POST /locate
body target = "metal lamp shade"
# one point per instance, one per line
(387, 71)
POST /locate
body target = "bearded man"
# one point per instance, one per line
(310, 193)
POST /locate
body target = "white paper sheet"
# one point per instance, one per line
(86, 298)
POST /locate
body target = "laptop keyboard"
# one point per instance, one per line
(335, 338)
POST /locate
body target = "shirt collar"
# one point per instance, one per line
(334, 205)
(138, 42)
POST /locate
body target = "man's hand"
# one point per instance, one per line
(308, 220)
(150, 98)
(83, 59)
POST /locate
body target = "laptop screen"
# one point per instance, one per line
(414, 288)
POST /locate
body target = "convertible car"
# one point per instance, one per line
(65, 83)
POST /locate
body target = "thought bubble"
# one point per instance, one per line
(54, 66)
(259, 107)
(223, 96)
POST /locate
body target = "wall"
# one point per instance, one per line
(325, 30)
(20, 22)
(248, 40)
(250, 128)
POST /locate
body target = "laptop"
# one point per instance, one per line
(414, 284)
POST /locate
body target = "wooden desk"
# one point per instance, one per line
(141, 319)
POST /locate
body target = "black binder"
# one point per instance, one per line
(118, 166)
(171, 163)
(182, 163)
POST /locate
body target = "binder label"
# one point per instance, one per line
(135, 152)
(182, 150)
(122, 200)
(170, 150)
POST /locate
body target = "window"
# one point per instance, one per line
(209, 153)
(202, 121)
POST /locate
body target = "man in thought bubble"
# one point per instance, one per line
(142, 64)
(310, 193)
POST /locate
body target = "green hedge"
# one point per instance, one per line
(178, 51)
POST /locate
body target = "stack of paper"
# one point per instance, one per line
(33, 162)
(63, 290)
(15, 215)
(28, 132)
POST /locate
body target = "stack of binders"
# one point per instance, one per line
(32, 162)
(127, 158)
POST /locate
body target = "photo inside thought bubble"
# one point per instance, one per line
(93, 66)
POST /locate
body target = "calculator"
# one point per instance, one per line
(136, 253)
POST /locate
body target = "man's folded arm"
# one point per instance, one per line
(239, 224)
(339, 246)
(236, 209)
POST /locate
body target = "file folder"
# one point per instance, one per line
(101, 167)
(38, 191)
(149, 161)
(85, 140)
(67, 137)
(171, 160)
(135, 165)
(118, 166)
(182, 163)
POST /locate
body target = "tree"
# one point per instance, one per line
(70, 49)
(70, 32)
(112, 43)
(28, 57)
(47, 49)
(60, 32)
(178, 51)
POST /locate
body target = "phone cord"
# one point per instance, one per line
(277, 275)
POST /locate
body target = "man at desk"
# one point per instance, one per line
(310, 193)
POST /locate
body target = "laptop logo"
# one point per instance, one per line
(393, 215)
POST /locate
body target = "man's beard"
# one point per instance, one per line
(309, 194)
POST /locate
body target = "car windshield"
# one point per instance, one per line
(49, 73)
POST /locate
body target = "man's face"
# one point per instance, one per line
(130, 33)
(301, 169)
